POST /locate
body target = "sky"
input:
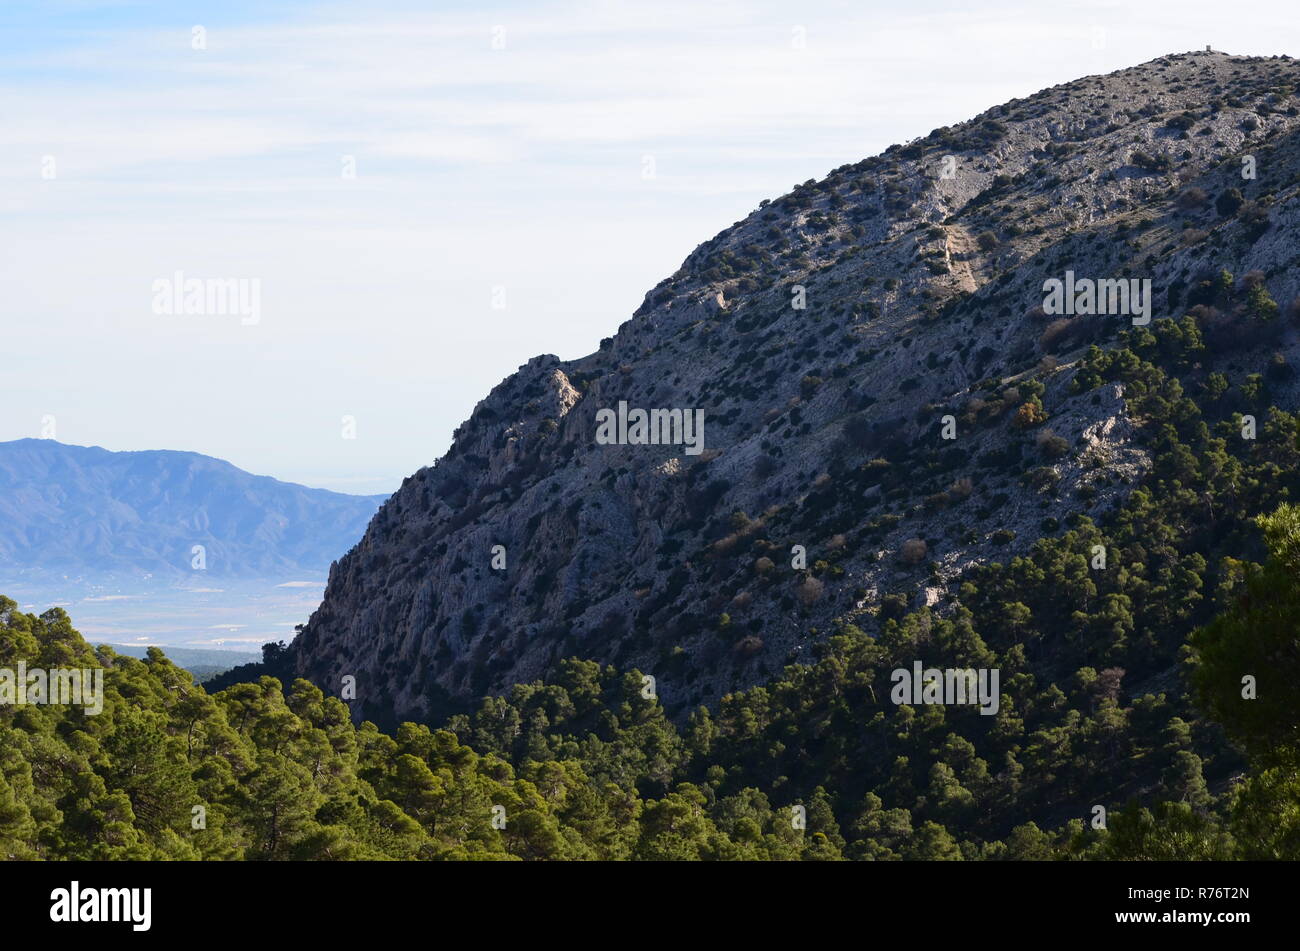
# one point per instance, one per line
(423, 196)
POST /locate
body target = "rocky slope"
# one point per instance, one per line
(835, 339)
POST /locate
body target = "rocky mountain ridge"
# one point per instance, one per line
(886, 402)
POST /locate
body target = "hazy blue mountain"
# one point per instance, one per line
(86, 512)
(203, 664)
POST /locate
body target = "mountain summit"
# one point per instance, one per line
(885, 363)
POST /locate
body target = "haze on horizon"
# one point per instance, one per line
(571, 154)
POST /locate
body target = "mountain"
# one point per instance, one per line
(85, 512)
(891, 398)
(1092, 515)
(203, 664)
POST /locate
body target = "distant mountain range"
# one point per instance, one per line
(203, 664)
(85, 512)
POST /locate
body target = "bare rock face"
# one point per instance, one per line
(885, 402)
